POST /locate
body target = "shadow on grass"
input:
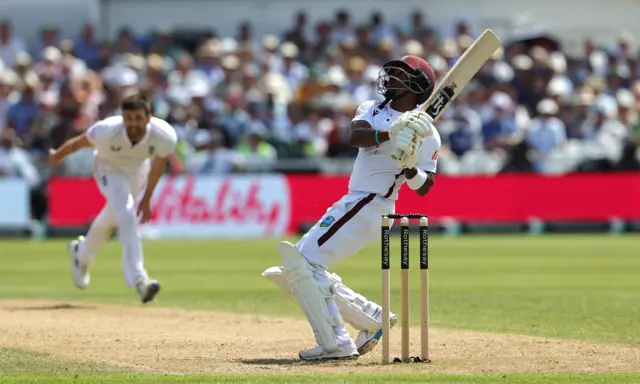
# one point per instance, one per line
(292, 362)
(49, 307)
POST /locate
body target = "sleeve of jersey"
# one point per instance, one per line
(95, 132)
(429, 156)
(168, 145)
(365, 112)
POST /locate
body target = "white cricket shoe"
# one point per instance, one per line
(367, 341)
(347, 351)
(147, 289)
(81, 276)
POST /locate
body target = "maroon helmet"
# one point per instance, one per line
(409, 74)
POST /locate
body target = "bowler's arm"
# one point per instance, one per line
(69, 147)
(158, 167)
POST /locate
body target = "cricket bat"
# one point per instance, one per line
(459, 76)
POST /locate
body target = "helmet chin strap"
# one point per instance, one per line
(390, 96)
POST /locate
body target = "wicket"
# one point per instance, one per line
(387, 222)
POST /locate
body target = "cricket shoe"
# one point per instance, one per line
(81, 276)
(346, 352)
(147, 289)
(366, 341)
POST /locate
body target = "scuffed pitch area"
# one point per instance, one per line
(167, 340)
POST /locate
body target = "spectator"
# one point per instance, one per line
(463, 138)
(418, 29)
(547, 132)
(125, 43)
(211, 157)
(49, 37)
(341, 28)
(8, 95)
(357, 86)
(520, 160)
(299, 34)
(236, 121)
(86, 48)
(500, 130)
(230, 81)
(164, 44)
(270, 57)
(10, 45)
(366, 43)
(15, 161)
(379, 30)
(72, 67)
(579, 113)
(185, 72)
(21, 114)
(294, 71)
(272, 98)
(257, 152)
(603, 130)
(627, 115)
(629, 161)
(208, 61)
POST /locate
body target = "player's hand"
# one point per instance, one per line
(144, 211)
(407, 139)
(54, 158)
(418, 121)
(410, 159)
(409, 148)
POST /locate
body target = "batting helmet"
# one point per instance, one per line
(409, 74)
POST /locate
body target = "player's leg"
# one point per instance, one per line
(121, 204)
(147, 287)
(316, 294)
(347, 226)
(83, 249)
(362, 314)
(357, 227)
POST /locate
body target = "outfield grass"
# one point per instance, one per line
(580, 287)
(576, 287)
(15, 362)
(335, 379)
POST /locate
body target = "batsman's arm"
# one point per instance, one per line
(361, 135)
(69, 147)
(419, 180)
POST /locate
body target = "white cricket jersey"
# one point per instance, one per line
(374, 170)
(113, 151)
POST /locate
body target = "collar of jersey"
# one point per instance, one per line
(392, 111)
(144, 139)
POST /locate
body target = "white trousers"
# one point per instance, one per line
(348, 225)
(120, 191)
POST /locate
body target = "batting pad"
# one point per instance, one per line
(311, 295)
(350, 304)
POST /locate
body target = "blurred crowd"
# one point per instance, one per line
(247, 103)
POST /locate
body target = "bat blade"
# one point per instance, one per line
(459, 76)
(461, 73)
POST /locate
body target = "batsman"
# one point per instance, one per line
(397, 143)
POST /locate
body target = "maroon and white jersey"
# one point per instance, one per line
(374, 170)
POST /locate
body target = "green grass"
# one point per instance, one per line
(577, 287)
(17, 361)
(334, 379)
(580, 287)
